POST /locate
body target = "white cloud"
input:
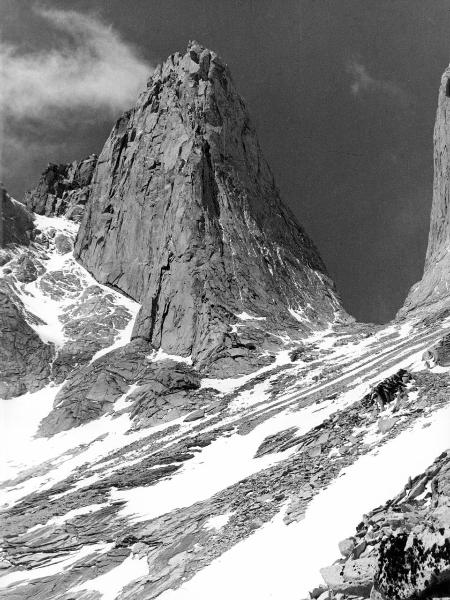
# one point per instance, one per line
(362, 81)
(92, 67)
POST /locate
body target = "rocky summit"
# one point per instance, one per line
(186, 219)
(187, 411)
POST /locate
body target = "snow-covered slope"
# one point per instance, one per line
(247, 499)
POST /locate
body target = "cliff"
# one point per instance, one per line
(63, 189)
(185, 217)
(16, 222)
(431, 292)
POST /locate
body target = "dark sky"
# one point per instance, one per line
(343, 94)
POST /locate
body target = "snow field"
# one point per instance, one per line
(223, 463)
(283, 562)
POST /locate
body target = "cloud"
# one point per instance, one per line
(364, 82)
(90, 67)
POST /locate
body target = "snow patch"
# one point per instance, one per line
(244, 316)
(111, 583)
(299, 315)
(221, 464)
(218, 521)
(157, 355)
(54, 568)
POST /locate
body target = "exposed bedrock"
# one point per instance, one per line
(400, 551)
(16, 222)
(63, 189)
(24, 358)
(439, 353)
(162, 390)
(184, 217)
(432, 289)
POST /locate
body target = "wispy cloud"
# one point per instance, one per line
(92, 66)
(363, 82)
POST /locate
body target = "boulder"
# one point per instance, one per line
(195, 416)
(346, 546)
(351, 577)
(26, 270)
(438, 354)
(401, 550)
(385, 424)
(63, 243)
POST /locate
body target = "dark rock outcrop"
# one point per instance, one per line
(439, 354)
(401, 550)
(24, 358)
(63, 189)
(432, 289)
(162, 391)
(16, 222)
(184, 217)
(92, 390)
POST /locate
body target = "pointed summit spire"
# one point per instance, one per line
(185, 217)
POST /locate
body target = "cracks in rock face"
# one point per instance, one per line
(155, 300)
(210, 190)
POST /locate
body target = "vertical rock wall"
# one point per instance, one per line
(185, 217)
(432, 292)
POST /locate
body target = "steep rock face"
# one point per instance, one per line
(185, 217)
(433, 287)
(63, 189)
(24, 358)
(16, 222)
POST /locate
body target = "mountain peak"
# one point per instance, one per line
(185, 218)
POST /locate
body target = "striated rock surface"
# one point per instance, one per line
(432, 290)
(63, 189)
(161, 390)
(185, 217)
(25, 360)
(16, 222)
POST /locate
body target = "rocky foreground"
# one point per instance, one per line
(184, 399)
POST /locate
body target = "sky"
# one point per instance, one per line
(343, 96)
